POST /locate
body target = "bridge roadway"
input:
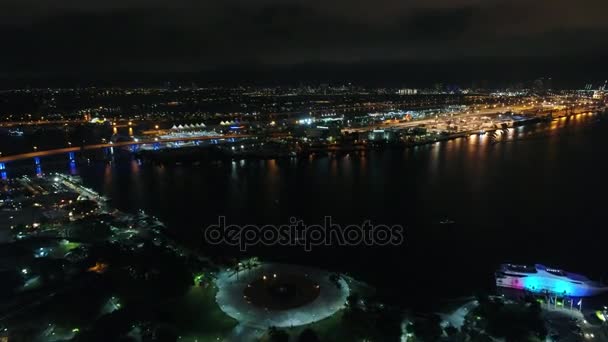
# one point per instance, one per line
(517, 110)
(456, 115)
(45, 153)
(119, 123)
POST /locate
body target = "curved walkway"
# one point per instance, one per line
(231, 300)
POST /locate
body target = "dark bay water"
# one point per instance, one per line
(537, 195)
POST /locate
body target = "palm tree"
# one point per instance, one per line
(308, 335)
(237, 268)
(277, 335)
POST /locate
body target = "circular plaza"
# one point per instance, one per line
(280, 295)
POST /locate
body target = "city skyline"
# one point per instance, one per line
(303, 170)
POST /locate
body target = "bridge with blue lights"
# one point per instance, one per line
(130, 144)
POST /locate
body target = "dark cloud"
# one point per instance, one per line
(188, 35)
(438, 24)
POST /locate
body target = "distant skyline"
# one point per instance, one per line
(64, 38)
(573, 74)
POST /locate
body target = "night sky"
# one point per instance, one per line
(67, 36)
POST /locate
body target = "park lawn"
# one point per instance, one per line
(329, 329)
(197, 316)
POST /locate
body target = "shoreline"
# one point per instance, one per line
(195, 155)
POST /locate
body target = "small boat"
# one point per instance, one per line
(15, 132)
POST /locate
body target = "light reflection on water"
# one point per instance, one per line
(509, 194)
